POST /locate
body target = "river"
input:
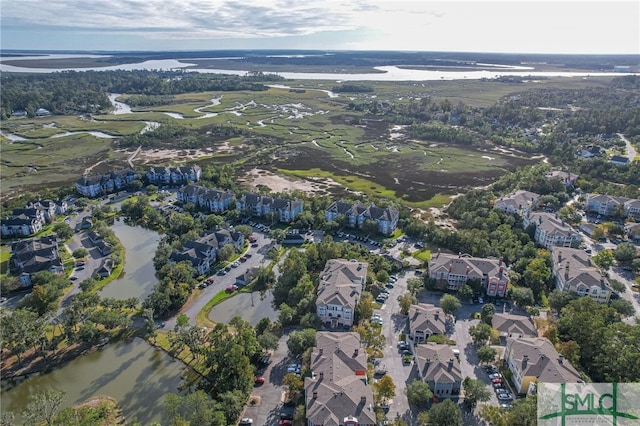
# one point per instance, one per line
(136, 374)
(385, 73)
(138, 277)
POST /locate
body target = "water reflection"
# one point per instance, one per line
(140, 246)
(136, 374)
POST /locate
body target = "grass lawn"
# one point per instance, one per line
(422, 255)
(4, 261)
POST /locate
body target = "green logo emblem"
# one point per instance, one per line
(614, 404)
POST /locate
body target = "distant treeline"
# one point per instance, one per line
(354, 88)
(86, 92)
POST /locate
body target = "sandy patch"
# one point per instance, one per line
(277, 183)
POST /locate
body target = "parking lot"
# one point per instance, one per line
(269, 398)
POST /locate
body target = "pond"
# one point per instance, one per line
(138, 277)
(249, 306)
(133, 372)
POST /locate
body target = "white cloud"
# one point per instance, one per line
(563, 26)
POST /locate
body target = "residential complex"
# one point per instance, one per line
(338, 392)
(567, 178)
(213, 200)
(35, 255)
(30, 219)
(341, 283)
(552, 231)
(576, 273)
(439, 368)
(534, 360)
(513, 326)
(280, 209)
(357, 213)
(97, 185)
(203, 252)
(179, 175)
(520, 202)
(607, 205)
(425, 321)
(455, 270)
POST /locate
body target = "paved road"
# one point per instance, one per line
(393, 324)
(627, 277)
(631, 151)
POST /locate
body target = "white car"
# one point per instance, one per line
(245, 421)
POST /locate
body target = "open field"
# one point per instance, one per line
(309, 134)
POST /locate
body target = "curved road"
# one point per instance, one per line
(631, 151)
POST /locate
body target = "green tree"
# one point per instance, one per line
(419, 394)
(382, 276)
(523, 412)
(522, 296)
(245, 230)
(465, 293)
(493, 415)
(623, 307)
(294, 384)
(625, 253)
(195, 408)
(63, 230)
(617, 286)
(445, 413)
(300, 341)
(80, 252)
(480, 333)
(278, 235)
(604, 259)
(487, 313)
(406, 300)
(268, 341)
(449, 303)
(423, 418)
(475, 391)
(43, 407)
(20, 330)
(371, 337)
(385, 387)
(415, 285)
(536, 276)
(558, 299)
(364, 310)
(570, 350)
(487, 354)
(226, 252)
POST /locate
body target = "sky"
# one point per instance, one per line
(510, 26)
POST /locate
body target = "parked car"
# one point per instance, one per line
(495, 376)
(293, 368)
(286, 416)
(480, 300)
(258, 380)
(403, 346)
(496, 380)
(231, 288)
(284, 422)
(245, 421)
(504, 396)
(254, 245)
